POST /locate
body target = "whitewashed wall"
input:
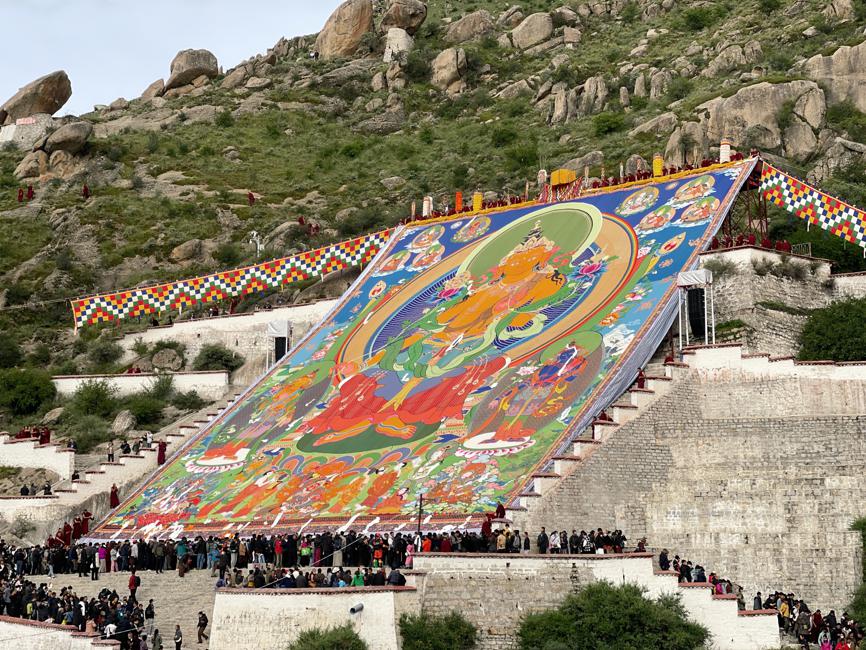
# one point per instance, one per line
(210, 385)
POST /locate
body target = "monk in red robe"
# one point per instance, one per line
(160, 452)
(67, 534)
(114, 498)
(86, 516)
(76, 528)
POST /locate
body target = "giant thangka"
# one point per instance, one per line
(463, 359)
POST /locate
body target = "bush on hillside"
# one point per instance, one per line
(214, 356)
(23, 391)
(605, 123)
(845, 116)
(426, 632)
(835, 333)
(88, 431)
(228, 254)
(97, 398)
(146, 409)
(335, 638)
(188, 401)
(10, 352)
(103, 353)
(605, 616)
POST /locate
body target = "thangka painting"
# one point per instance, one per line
(464, 356)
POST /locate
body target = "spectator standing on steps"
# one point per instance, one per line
(202, 626)
(149, 615)
(134, 582)
(156, 641)
(178, 638)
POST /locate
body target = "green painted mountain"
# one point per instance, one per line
(396, 100)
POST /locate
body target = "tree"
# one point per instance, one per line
(426, 632)
(605, 616)
(835, 333)
(97, 398)
(335, 638)
(10, 352)
(23, 391)
(214, 356)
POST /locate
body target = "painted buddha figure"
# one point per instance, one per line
(520, 280)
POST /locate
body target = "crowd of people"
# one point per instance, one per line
(322, 560)
(750, 239)
(41, 433)
(811, 629)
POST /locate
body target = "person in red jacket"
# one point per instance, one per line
(134, 583)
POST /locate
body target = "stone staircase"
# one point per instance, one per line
(92, 489)
(625, 409)
(176, 600)
(534, 582)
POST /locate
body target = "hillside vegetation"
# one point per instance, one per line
(350, 142)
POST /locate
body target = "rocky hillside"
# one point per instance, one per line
(396, 99)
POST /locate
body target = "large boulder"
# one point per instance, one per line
(167, 359)
(47, 94)
(472, 26)
(408, 15)
(33, 165)
(70, 137)
(842, 74)
(189, 250)
(730, 58)
(345, 28)
(533, 30)
(661, 125)
(154, 90)
(448, 70)
(191, 64)
(591, 159)
(687, 143)
(123, 422)
(398, 44)
(756, 110)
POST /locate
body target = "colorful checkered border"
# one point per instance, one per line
(228, 284)
(806, 202)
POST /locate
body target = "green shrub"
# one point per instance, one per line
(162, 387)
(188, 401)
(720, 267)
(214, 356)
(146, 409)
(97, 398)
(503, 135)
(335, 638)
(10, 352)
(417, 67)
(785, 117)
(88, 431)
(40, 356)
(426, 632)
(698, 18)
(778, 59)
(523, 156)
(607, 122)
(769, 6)
(835, 333)
(224, 119)
(679, 88)
(845, 116)
(103, 353)
(605, 616)
(228, 254)
(23, 391)
(18, 294)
